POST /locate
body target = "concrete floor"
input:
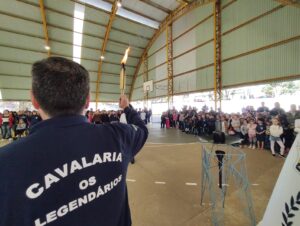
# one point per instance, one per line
(157, 187)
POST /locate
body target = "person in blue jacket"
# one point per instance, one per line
(68, 172)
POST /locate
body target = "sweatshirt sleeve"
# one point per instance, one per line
(138, 132)
(134, 134)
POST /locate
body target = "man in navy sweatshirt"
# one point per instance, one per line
(68, 172)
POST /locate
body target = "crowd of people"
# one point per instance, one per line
(17, 124)
(100, 117)
(257, 129)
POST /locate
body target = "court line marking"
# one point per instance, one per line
(160, 182)
(167, 145)
(190, 184)
(202, 140)
(170, 143)
(131, 180)
(203, 204)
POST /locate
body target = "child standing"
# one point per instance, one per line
(163, 120)
(275, 132)
(260, 134)
(267, 139)
(5, 128)
(244, 133)
(252, 133)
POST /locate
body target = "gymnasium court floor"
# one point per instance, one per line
(164, 183)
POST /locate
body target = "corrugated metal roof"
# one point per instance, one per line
(22, 39)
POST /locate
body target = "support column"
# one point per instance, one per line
(146, 78)
(45, 28)
(217, 55)
(170, 64)
(112, 16)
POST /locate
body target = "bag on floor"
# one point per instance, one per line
(167, 123)
(219, 137)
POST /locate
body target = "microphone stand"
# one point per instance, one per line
(220, 155)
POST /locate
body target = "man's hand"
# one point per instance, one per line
(123, 102)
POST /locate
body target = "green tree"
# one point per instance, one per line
(280, 88)
(289, 88)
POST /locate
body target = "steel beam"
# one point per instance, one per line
(169, 41)
(217, 55)
(183, 1)
(103, 49)
(136, 12)
(176, 14)
(295, 3)
(42, 9)
(146, 78)
(70, 29)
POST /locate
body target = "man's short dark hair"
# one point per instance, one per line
(60, 86)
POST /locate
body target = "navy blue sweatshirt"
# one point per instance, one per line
(69, 172)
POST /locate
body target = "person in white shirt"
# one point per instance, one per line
(143, 116)
(275, 132)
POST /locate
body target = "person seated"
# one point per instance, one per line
(235, 124)
(21, 128)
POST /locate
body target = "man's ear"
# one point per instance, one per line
(87, 102)
(34, 102)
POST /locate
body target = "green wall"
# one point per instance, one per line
(260, 43)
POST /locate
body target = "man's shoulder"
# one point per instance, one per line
(14, 147)
(119, 126)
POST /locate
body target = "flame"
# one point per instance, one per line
(125, 56)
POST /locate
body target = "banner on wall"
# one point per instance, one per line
(284, 206)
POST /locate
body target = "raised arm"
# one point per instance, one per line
(137, 132)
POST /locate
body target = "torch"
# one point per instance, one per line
(123, 71)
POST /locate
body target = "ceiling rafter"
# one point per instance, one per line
(174, 15)
(130, 20)
(183, 1)
(108, 29)
(134, 11)
(68, 29)
(42, 9)
(64, 55)
(295, 3)
(66, 43)
(157, 6)
(85, 20)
